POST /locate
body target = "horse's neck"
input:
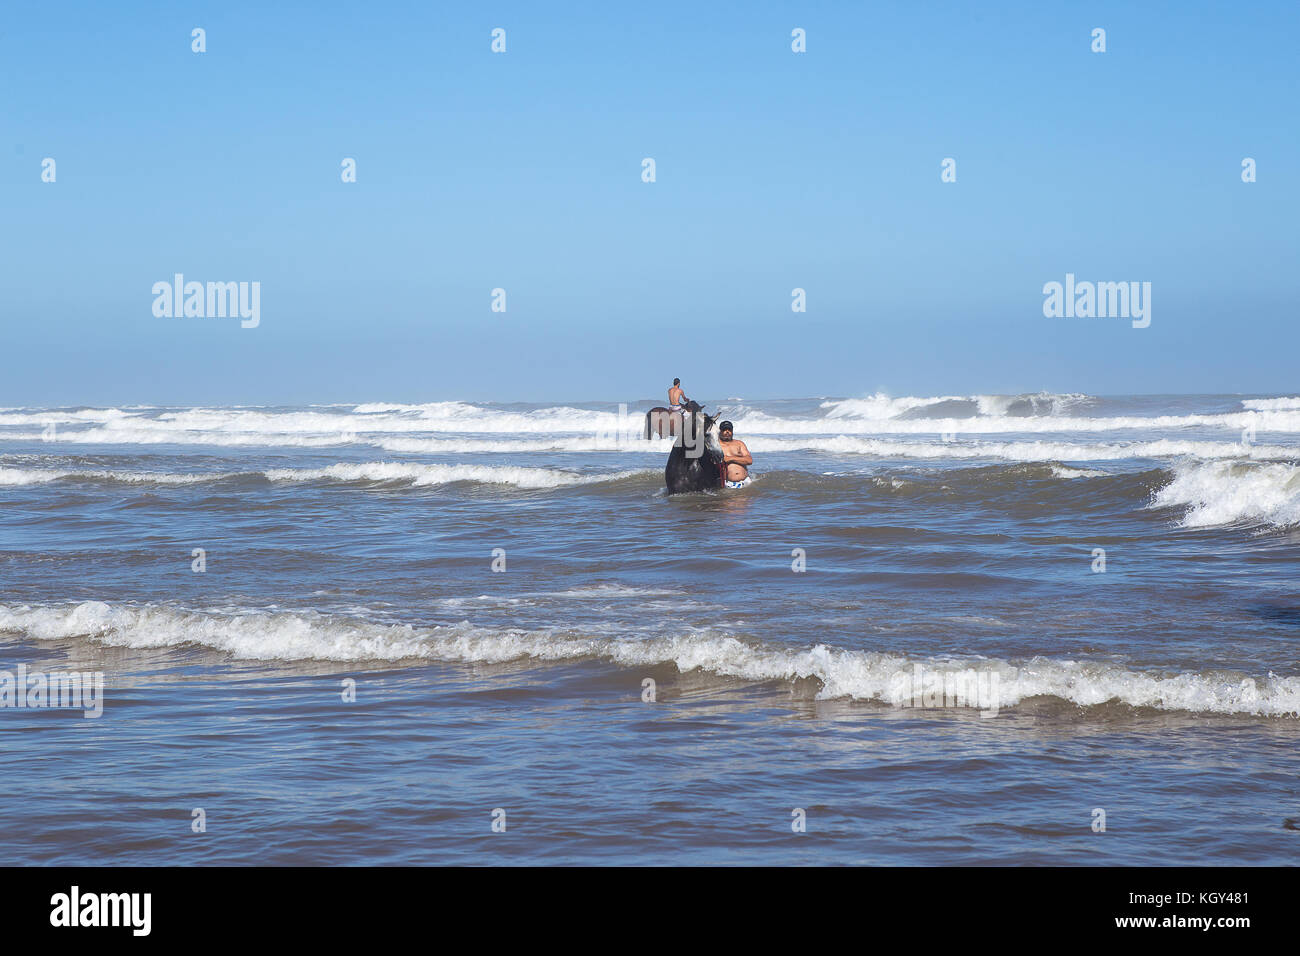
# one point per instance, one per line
(710, 438)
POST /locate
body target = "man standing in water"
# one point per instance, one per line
(736, 458)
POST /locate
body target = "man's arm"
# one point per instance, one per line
(743, 458)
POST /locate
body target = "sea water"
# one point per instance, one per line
(979, 629)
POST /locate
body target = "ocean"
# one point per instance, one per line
(1006, 630)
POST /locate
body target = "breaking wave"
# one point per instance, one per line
(421, 475)
(1271, 404)
(415, 475)
(390, 423)
(880, 407)
(861, 675)
(1234, 492)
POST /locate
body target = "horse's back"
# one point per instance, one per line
(661, 422)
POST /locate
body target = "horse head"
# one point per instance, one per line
(700, 430)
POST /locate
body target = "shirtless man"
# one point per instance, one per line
(735, 458)
(676, 397)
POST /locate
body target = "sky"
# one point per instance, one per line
(523, 170)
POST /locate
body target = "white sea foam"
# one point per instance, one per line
(59, 416)
(40, 476)
(1226, 492)
(1040, 403)
(574, 443)
(962, 448)
(416, 475)
(389, 422)
(569, 428)
(379, 418)
(371, 408)
(420, 475)
(758, 422)
(29, 476)
(880, 407)
(1065, 471)
(1026, 451)
(143, 434)
(247, 426)
(1271, 404)
(864, 675)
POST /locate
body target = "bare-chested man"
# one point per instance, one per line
(736, 458)
(676, 397)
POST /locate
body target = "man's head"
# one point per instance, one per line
(677, 381)
(724, 431)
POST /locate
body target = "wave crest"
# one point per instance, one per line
(1234, 492)
(882, 407)
(862, 675)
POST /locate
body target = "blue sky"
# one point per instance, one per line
(522, 171)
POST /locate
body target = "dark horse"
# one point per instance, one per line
(695, 463)
(663, 422)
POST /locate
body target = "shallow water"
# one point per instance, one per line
(943, 538)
